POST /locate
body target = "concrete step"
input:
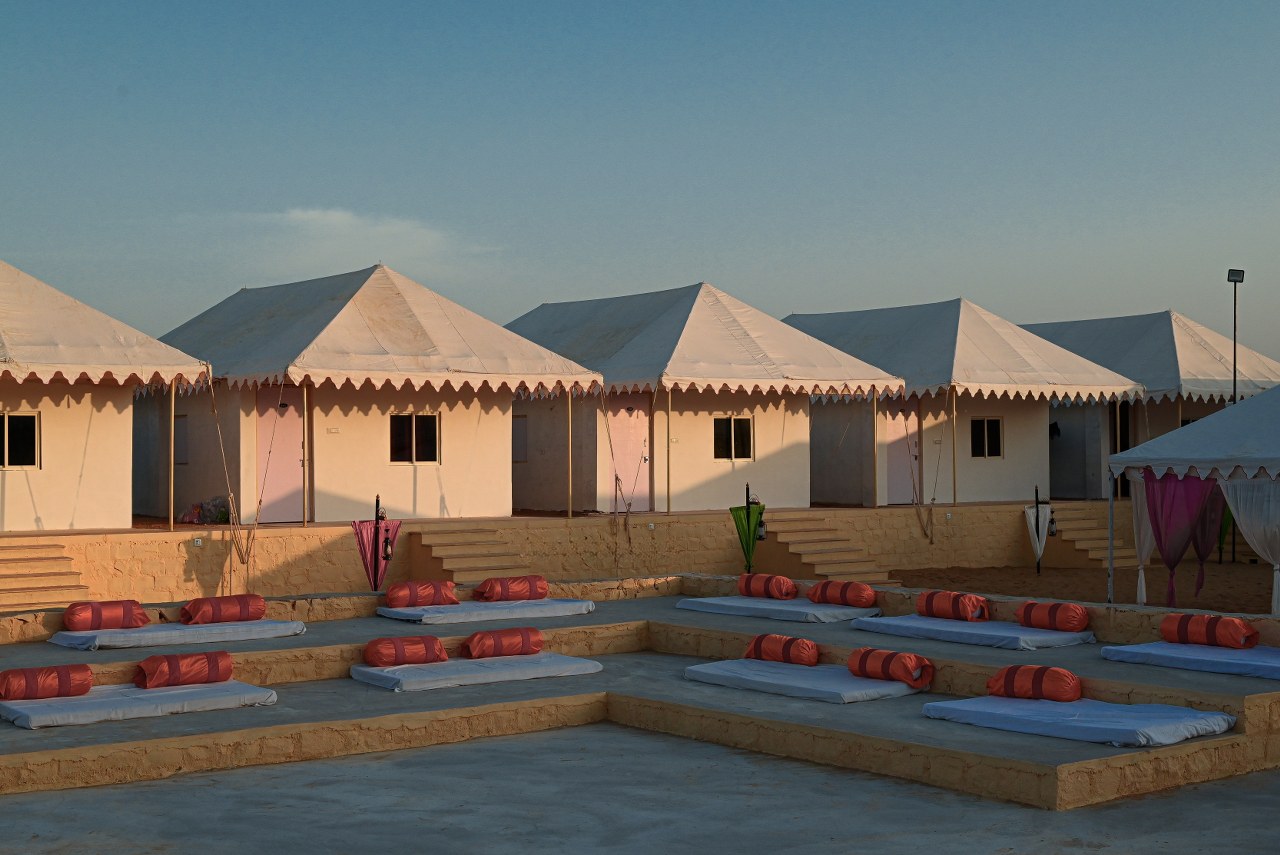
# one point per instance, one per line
(1120, 555)
(833, 556)
(843, 568)
(796, 525)
(32, 549)
(454, 535)
(462, 550)
(39, 579)
(41, 596)
(1099, 543)
(12, 561)
(472, 575)
(481, 562)
(826, 548)
(870, 576)
(815, 535)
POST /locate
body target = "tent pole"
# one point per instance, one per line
(306, 453)
(1111, 538)
(173, 405)
(955, 491)
(668, 449)
(569, 409)
(875, 452)
(1115, 482)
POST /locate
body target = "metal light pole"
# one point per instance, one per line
(1235, 277)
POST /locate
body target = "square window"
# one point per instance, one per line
(415, 438)
(732, 438)
(21, 440)
(985, 438)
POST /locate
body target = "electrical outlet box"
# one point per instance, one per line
(199, 541)
(948, 516)
(650, 526)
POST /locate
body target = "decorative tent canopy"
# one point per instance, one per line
(47, 336)
(1241, 440)
(371, 326)
(936, 346)
(696, 338)
(1167, 352)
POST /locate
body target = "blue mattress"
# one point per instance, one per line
(831, 683)
(471, 672)
(475, 610)
(1253, 662)
(121, 702)
(162, 634)
(1085, 720)
(795, 610)
(989, 633)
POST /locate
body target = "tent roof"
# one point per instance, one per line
(373, 325)
(46, 335)
(955, 343)
(696, 337)
(1243, 435)
(1167, 352)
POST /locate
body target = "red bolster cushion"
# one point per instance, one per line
(409, 650)
(413, 593)
(910, 668)
(783, 648)
(54, 681)
(183, 669)
(843, 594)
(1208, 629)
(1064, 617)
(765, 585)
(952, 605)
(224, 609)
(110, 614)
(502, 642)
(1040, 682)
(511, 588)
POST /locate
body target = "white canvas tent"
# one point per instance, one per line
(1171, 355)
(1240, 447)
(68, 374)
(964, 363)
(337, 389)
(676, 361)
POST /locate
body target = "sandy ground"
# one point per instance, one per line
(605, 788)
(1228, 587)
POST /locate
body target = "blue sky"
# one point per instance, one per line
(1046, 160)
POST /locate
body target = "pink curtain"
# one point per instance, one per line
(1204, 537)
(1174, 505)
(375, 568)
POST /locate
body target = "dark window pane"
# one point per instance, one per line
(742, 439)
(402, 439)
(977, 438)
(519, 439)
(993, 438)
(2, 433)
(22, 440)
(722, 439)
(424, 439)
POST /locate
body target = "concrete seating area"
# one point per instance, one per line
(471, 611)
(644, 647)
(793, 610)
(167, 634)
(988, 633)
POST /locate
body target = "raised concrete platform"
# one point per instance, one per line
(644, 645)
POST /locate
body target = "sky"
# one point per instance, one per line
(1048, 161)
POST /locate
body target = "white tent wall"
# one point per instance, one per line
(202, 477)
(350, 454)
(778, 470)
(842, 436)
(539, 482)
(1078, 454)
(84, 478)
(1012, 476)
(1156, 418)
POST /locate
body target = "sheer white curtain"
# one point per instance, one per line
(1255, 504)
(1144, 539)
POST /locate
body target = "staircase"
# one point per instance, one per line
(1082, 527)
(465, 554)
(37, 576)
(803, 545)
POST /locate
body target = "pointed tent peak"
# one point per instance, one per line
(48, 335)
(373, 326)
(957, 343)
(696, 337)
(1239, 441)
(1168, 352)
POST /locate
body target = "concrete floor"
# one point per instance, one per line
(605, 788)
